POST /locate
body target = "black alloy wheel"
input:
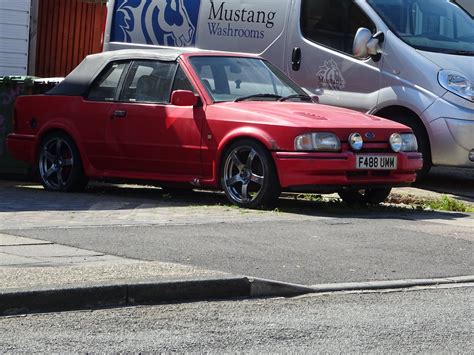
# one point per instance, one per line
(248, 175)
(59, 164)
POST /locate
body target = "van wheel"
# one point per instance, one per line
(421, 136)
(248, 175)
(364, 196)
(59, 164)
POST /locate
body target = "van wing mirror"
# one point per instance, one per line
(184, 98)
(366, 44)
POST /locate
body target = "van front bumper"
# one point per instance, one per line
(305, 171)
(451, 130)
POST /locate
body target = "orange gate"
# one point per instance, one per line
(68, 30)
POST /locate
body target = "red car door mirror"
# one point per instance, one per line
(184, 98)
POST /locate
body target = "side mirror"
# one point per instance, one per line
(366, 44)
(184, 98)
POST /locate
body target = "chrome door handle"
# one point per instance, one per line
(119, 113)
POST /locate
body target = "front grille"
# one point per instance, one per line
(372, 147)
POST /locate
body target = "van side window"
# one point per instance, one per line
(333, 23)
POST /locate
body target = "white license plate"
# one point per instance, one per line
(376, 162)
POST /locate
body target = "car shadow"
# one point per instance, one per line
(448, 180)
(31, 197)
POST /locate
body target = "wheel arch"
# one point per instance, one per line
(46, 131)
(262, 139)
(408, 117)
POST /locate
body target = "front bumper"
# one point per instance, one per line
(303, 171)
(451, 131)
(22, 146)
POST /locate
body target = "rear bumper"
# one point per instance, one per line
(302, 171)
(21, 147)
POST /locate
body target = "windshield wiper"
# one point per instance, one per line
(256, 96)
(461, 52)
(297, 96)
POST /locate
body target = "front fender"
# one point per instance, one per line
(254, 133)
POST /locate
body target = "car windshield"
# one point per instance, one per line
(238, 79)
(429, 25)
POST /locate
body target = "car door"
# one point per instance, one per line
(319, 54)
(93, 116)
(148, 135)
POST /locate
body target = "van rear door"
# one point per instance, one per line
(319, 54)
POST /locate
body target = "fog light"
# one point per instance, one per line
(396, 142)
(471, 155)
(356, 141)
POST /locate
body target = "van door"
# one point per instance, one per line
(319, 54)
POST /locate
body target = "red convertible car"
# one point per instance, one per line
(190, 118)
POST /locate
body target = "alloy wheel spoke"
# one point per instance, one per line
(48, 156)
(233, 180)
(58, 148)
(60, 177)
(250, 158)
(68, 162)
(51, 171)
(237, 161)
(245, 193)
(257, 179)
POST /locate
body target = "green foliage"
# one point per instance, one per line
(446, 203)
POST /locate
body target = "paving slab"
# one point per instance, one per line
(12, 240)
(32, 263)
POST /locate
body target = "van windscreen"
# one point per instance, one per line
(429, 25)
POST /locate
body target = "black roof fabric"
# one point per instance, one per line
(79, 80)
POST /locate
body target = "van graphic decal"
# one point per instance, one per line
(237, 20)
(173, 22)
(330, 76)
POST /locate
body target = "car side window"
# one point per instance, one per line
(105, 86)
(149, 81)
(181, 81)
(333, 23)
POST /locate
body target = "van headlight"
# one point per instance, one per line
(320, 141)
(456, 83)
(404, 142)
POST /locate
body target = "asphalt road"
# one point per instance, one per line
(422, 321)
(303, 242)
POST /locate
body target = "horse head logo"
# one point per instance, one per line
(162, 22)
(174, 21)
(331, 76)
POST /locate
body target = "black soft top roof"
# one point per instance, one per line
(79, 80)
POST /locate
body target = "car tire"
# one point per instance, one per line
(365, 196)
(59, 164)
(248, 175)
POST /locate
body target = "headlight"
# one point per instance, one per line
(456, 83)
(356, 142)
(321, 141)
(405, 142)
(409, 142)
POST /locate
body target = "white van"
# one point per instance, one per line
(408, 60)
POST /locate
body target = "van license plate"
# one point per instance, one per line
(376, 162)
